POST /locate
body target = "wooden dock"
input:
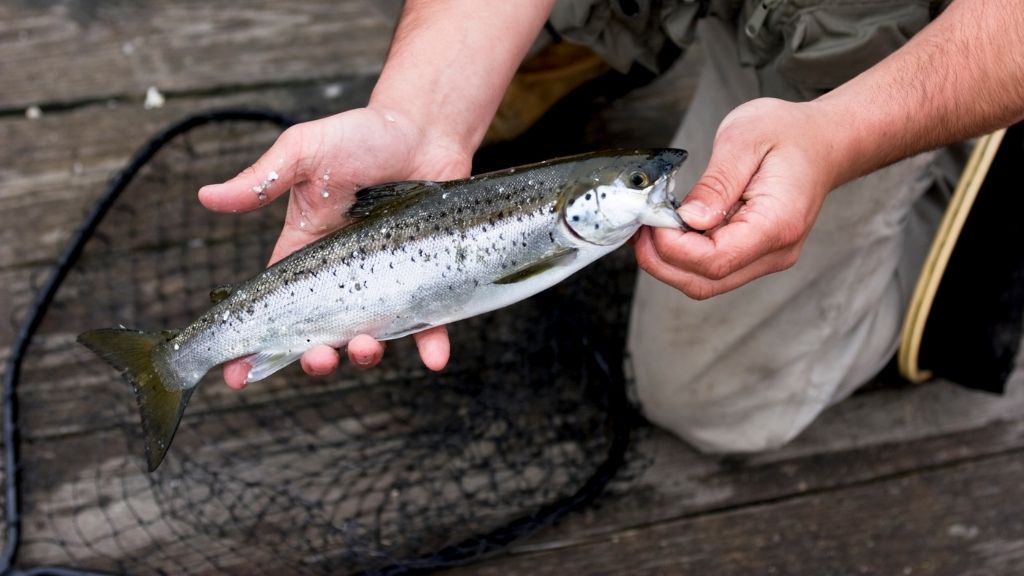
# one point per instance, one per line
(899, 479)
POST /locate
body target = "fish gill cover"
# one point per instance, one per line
(387, 471)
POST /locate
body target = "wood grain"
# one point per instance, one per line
(69, 51)
(964, 520)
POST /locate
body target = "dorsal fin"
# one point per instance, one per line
(374, 199)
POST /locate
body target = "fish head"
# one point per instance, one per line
(621, 191)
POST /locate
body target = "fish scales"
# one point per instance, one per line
(416, 255)
(435, 252)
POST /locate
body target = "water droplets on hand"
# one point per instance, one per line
(324, 192)
(261, 188)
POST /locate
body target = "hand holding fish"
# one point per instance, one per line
(324, 163)
(758, 198)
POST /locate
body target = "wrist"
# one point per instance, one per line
(431, 152)
(849, 144)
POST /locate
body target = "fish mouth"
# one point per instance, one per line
(662, 203)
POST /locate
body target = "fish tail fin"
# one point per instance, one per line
(160, 403)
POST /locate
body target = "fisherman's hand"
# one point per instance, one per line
(324, 163)
(772, 164)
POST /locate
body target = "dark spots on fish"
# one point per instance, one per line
(575, 218)
(524, 244)
(323, 260)
(307, 340)
(310, 289)
(604, 195)
(342, 286)
(588, 196)
(358, 287)
(551, 235)
(293, 293)
(501, 214)
(391, 265)
(596, 226)
(571, 202)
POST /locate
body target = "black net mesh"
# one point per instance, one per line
(385, 470)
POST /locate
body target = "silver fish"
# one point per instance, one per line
(417, 254)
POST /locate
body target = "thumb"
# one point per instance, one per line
(734, 161)
(271, 175)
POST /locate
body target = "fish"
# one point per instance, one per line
(416, 254)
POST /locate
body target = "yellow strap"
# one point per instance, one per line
(938, 255)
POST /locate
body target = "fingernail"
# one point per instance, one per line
(694, 210)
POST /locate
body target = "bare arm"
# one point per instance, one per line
(451, 61)
(961, 76)
(448, 67)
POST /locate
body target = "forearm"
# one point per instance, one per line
(960, 77)
(450, 63)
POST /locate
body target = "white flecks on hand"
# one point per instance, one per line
(154, 99)
(176, 346)
(33, 112)
(389, 117)
(261, 188)
(226, 314)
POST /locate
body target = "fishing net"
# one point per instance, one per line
(390, 470)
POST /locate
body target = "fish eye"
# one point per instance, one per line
(638, 180)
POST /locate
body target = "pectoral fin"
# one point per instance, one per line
(553, 259)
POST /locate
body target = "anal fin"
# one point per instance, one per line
(264, 364)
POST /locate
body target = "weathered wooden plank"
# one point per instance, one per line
(69, 51)
(964, 520)
(678, 484)
(52, 169)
